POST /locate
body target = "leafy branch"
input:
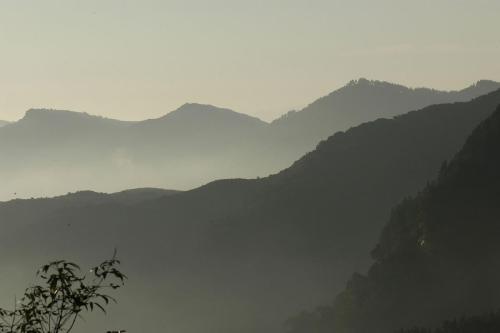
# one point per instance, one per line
(64, 295)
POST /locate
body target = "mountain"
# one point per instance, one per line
(361, 101)
(50, 152)
(198, 123)
(29, 211)
(55, 129)
(138, 195)
(192, 115)
(241, 255)
(195, 135)
(437, 257)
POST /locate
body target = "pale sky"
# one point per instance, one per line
(140, 59)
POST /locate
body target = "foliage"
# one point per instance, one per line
(64, 295)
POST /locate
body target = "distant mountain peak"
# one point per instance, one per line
(362, 81)
(487, 85)
(55, 116)
(367, 83)
(201, 111)
(198, 107)
(43, 113)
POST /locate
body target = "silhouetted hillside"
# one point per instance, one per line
(437, 257)
(49, 152)
(489, 323)
(138, 195)
(30, 211)
(361, 101)
(246, 253)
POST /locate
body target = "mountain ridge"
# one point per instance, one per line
(479, 87)
(436, 256)
(188, 147)
(314, 222)
(365, 100)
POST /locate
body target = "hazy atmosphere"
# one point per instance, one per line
(249, 166)
(133, 60)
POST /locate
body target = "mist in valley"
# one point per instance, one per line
(243, 170)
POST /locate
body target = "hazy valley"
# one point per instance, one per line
(247, 254)
(52, 152)
(227, 167)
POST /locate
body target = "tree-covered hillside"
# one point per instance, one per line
(242, 249)
(438, 255)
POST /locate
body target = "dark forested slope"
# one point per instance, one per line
(243, 254)
(437, 257)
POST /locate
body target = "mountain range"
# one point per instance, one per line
(361, 101)
(51, 152)
(243, 254)
(437, 257)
